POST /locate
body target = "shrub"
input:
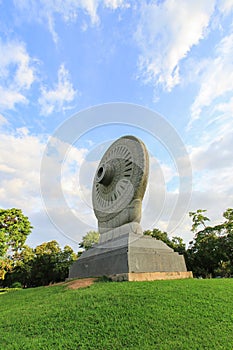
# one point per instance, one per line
(16, 285)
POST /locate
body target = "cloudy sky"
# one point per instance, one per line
(77, 74)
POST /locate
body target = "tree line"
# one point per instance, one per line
(26, 266)
(209, 254)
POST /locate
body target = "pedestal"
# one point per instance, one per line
(130, 256)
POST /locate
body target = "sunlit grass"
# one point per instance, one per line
(181, 314)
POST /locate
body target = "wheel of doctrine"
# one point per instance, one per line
(120, 183)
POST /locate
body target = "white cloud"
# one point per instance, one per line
(160, 203)
(6, 169)
(3, 120)
(52, 30)
(225, 107)
(212, 165)
(216, 79)
(168, 172)
(20, 172)
(9, 98)
(114, 4)
(214, 202)
(56, 99)
(61, 190)
(20, 160)
(19, 166)
(68, 10)
(226, 6)
(17, 73)
(166, 33)
(215, 143)
(215, 155)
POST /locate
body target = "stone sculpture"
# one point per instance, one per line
(119, 185)
(123, 253)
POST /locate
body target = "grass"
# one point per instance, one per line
(181, 314)
(8, 290)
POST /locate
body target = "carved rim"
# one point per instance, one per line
(120, 177)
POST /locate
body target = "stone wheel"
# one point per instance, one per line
(120, 179)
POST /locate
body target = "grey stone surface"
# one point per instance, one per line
(133, 227)
(127, 253)
(118, 189)
(120, 183)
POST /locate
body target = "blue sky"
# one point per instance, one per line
(59, 58)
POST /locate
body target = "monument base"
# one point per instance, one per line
(150, 276)
(131, 257)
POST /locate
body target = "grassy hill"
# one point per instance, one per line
(180, 314)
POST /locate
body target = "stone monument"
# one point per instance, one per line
(123, 252)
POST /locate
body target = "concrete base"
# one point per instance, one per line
(132, 255)
(151, 276)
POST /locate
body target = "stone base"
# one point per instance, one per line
(151, 276)
(132, 254)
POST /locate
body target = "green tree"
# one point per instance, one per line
(22, 271)
(44, 269)
(178, 245)
(228, 215)
(226, 242)
(5, 266)
(64, 261)
(47, 263)
(158, 234)
(91, 238)
(211, 251)
(14, 229)
(198, 219)
(51, 263)
(175, 243)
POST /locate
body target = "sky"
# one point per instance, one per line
(77, 74)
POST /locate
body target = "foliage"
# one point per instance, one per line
(178, 245)
(211, 251)
(14, 229)
(175, 243)
(160, 235)
(179, 314)
(9, 290)
(5, 266)
(91, 238)
(209, 254)
(198, 219)
(45, 264)
(16, 285)
(51, 263)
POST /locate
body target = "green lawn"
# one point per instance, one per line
(181, 314)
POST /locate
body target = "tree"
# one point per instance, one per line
(175, 243)
(211, 251)
(198, 219)
(67, 257)
(5, 266)
(160, 235)
(51, 264)
(14, 229)
(47, 263)
(228, 215)
(22, 271)
(227, 242)
(91, 238)
(178, 245)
